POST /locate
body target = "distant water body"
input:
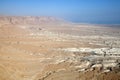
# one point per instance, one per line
(95, 21)
(98, 22)
(102, 23)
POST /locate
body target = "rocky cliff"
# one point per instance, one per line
(29, 20)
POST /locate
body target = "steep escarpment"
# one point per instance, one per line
(29, 20)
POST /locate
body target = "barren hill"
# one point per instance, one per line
(29, 20)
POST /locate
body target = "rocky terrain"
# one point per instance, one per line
(47, 48)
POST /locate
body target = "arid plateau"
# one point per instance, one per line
(48, 48)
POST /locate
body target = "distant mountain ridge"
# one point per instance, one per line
(30, 19)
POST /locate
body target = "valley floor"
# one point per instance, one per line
(67, 52)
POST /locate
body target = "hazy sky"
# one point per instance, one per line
(87, 11)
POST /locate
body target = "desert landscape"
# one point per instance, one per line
(49, 48)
